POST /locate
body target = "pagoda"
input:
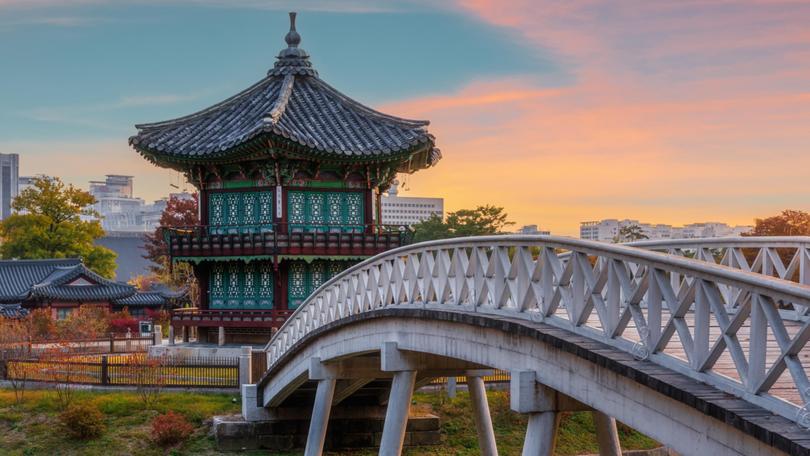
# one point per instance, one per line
(290, 172)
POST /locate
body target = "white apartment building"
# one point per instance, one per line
(120, 211)
(608, 229)
(532, 229)
(408, 210)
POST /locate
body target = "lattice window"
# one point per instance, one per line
(296, 207)
(240, 285)
(315, 208)
(297, 284)
(249, 209)
(233, 209)
(265, 207)
(216, 209)
(335, 209)
(354, 208)
(249, 288)
(217, 285)
(335, 268)
(317, 275)
(312, 210)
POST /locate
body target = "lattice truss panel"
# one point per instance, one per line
(722, 325)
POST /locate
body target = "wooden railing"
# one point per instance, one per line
(230, 317)
(283, 239)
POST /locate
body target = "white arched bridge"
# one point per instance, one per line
(700, 344)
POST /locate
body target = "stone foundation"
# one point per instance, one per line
(232, 433)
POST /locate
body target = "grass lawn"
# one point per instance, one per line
(32, 428)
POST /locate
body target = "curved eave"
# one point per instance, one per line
(257, 147)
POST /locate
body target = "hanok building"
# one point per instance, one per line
(62, 285)
(290, 173)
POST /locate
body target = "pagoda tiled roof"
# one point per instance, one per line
(293, 106)
(56, 280)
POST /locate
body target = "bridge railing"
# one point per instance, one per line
(679, 312)
(785, 257)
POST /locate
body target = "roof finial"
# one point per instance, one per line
(292, 38)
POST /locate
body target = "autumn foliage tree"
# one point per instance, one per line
(787, 223)
(179, 212)
(49, 224)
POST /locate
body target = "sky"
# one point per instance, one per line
(672, 111)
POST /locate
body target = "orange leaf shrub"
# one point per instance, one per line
(171, 428)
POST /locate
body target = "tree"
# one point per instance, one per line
(179, 212)
(788, 223)
(630, 233)
(49, 225)
(481, 221)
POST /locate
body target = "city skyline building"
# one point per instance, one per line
(408, 210)
(607, 230)
(9, 176)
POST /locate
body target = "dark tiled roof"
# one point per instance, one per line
(57, 286)
(153, 298)
(17, 276)
(291, 103)
(13, 311)
(143, 299)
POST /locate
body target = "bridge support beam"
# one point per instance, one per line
(541, 434)
(396, 414)
(320, 417)
(483, 419)
(607, 435)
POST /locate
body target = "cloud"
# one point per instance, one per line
(678, 112)
(559, 156)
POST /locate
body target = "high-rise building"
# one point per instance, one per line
(408, 210)
(9, 175)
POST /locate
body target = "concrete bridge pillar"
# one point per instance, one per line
(541, 434)
(324, 396)
(483, 419)
(320, 417)
(399, 399)
(540, 402)
(607, 435)
(396, 414)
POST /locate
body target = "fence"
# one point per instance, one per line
(109, 345)
(498, 376)
(129, 370)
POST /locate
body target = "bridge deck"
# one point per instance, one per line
(784, 388)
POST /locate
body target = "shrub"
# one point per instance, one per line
(82, 421)
(171, 428)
